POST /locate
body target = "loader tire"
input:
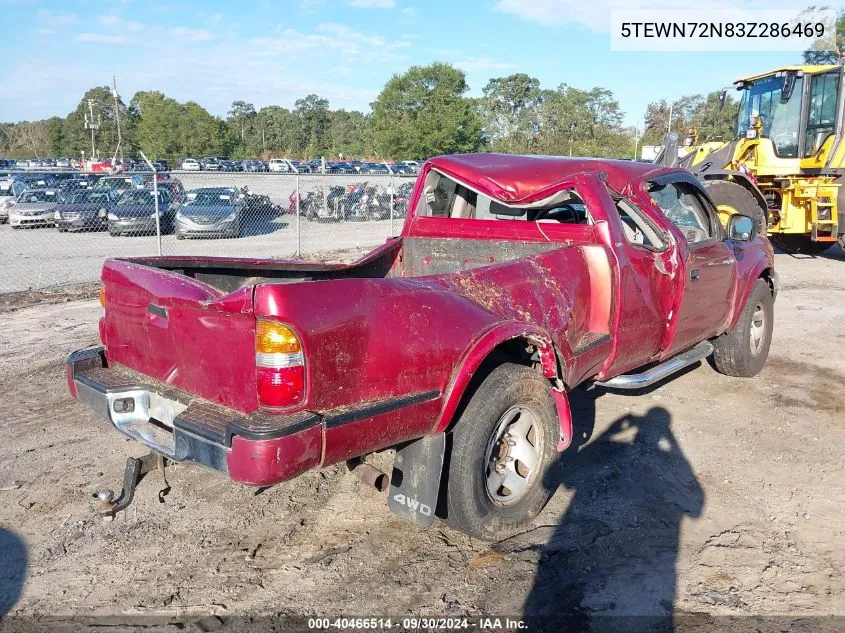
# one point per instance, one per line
(796, 243)
(733, 195)
(743, 351)
(509, 423)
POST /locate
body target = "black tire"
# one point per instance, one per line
(733, 354)
(113, 234)
(470, 506)
(739, 198)
(180, 236)
(795, 243)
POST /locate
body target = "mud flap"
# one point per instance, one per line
(415, 480)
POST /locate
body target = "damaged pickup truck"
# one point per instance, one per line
(515, 280)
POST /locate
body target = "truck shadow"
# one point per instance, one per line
(613, 554)
(13, 564)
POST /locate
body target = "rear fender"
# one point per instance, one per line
(478, 353)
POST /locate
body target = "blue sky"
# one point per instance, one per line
(275, 51)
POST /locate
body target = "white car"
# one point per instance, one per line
(9, 192)
(34, 207)
(190, 164)
(278, 164)
(413, 165)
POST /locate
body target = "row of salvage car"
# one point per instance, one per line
(125, 208)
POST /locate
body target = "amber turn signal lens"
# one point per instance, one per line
(275, 338)
(103, 297)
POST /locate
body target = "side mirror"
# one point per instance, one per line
(787, 87)
(740, 228)
(723, 97)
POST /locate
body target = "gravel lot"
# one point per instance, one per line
(44, 258)
(705, 495)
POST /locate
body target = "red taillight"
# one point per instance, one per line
(281, 387)
(280, 376)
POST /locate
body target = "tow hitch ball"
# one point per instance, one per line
(136, 468)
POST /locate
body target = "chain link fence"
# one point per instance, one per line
(58, 227)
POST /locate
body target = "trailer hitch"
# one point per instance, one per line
(136, 469)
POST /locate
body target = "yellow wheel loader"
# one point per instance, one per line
(787, 160)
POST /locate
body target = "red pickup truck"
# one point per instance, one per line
(515, 279)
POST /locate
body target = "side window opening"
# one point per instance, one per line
(638, 231)
(682, 207)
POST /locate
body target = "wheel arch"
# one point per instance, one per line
(508, 342)
(765, 272)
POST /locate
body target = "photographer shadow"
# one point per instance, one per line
(13, 565)
(610, 563)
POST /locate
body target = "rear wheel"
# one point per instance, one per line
(503, 446)
(731, 198)
(743, 351)
(795, 243)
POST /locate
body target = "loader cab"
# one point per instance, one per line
(799, 109)
(771, 107)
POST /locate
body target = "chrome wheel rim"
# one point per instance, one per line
(513, 455)
(758, 329)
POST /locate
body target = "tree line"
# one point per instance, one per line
(423, 112)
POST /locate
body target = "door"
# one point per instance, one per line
(709, 265)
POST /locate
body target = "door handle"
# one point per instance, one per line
(694, 274)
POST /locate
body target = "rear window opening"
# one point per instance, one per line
(444, 197)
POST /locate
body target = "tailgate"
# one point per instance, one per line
(181, 331)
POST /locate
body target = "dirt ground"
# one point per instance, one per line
(705, 495)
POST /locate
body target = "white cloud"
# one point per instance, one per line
(472, 64)
(444, 52)
(55, 19)
(409, 11)
(371, 4)
(309, 6)
(43, 31)
(595, 15)
(333, 37)
(99, 38)
(191, 35)
(112, 21)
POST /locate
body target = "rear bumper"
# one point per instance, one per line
(254, 449)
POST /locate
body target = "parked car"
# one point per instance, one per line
(278, 165)
(10, 189)
(191, 164)
(34, 207)
(72, 185)
(546, 277)
(373, 168)
(118, 183)
(253, 166)
(228, 165)
(134, 213)
(413, 165)
(210, 163)
(85, 210)
(401, 169)
(299, 166)
(63, 163)
(161, 165)
(210, 212)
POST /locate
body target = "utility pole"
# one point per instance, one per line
(93, 125)
(117, 116)
(669, 122)
(572, 127)
(636, 140)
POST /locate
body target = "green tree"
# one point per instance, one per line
(510, 108)
(275, 133)
(347, 131)
(699, 112)
(240, 116)
(424, 112)
(814, 56)
(77, 139)
(312, 113)
(155, 117)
